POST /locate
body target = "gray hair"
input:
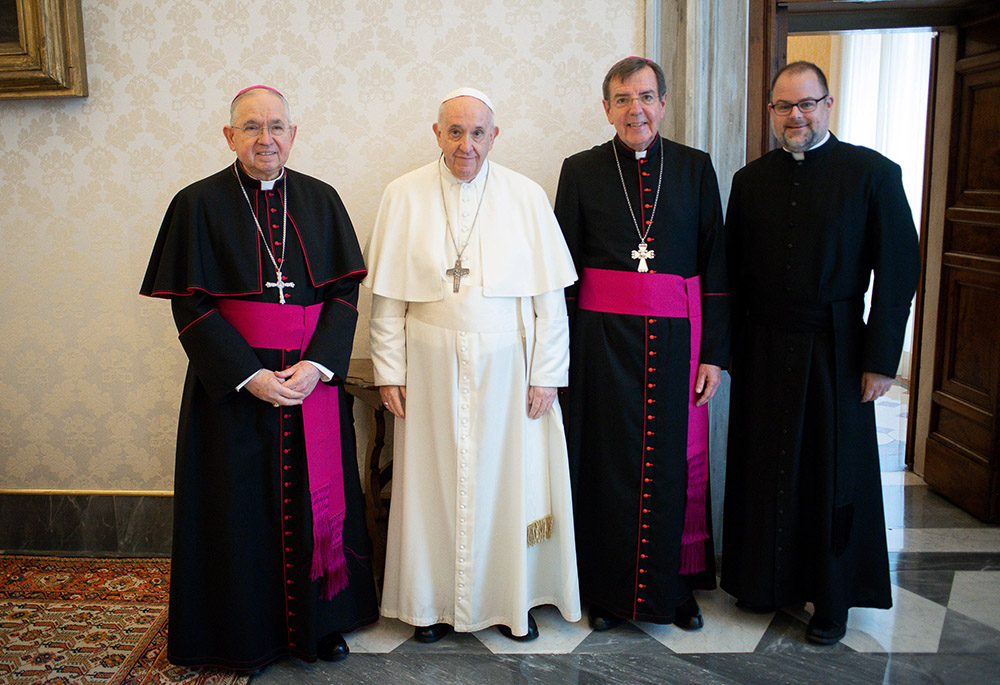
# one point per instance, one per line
(250, 91)
(628, 66)
(492, 114)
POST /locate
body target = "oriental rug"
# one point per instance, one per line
(84, 620)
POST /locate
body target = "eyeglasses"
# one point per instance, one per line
(623, 101)
(254, 130)
(805, 106)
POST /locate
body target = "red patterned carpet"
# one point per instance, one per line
(75, 620)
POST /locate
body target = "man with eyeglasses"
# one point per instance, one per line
(261, 265)
(806, 227)
(649, 337)
(469, 343)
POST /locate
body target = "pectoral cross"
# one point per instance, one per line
(642, 254)
(280, 285)
(456, 273)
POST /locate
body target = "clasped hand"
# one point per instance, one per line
(288, 387)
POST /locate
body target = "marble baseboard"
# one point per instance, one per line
(97, 525)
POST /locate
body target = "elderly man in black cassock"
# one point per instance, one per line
(806, 227)
(262, 266)
(649, 322)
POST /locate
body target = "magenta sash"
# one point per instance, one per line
(668, 295)
(285, 326)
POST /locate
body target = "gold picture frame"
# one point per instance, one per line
(42, 55)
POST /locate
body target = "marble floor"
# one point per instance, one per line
(944, 626)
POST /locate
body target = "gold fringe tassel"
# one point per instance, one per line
(540, 530)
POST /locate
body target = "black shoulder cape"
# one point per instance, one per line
(208, 241)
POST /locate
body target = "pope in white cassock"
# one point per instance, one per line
(468, 327)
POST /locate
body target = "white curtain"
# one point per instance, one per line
(884, 79)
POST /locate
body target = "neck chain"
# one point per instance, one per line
(279, 281)
(457, 272)
(642, 253)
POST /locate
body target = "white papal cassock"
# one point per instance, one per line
(472, 473)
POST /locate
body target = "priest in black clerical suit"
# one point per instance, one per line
(649, 322)
(807, 225)
(261, 265)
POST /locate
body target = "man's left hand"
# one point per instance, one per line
(709, 377)
(540, 400)
(301, 377)
(874, 385)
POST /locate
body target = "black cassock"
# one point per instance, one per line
(627, 405)
(240, 593)
(803, 510)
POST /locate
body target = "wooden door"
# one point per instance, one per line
(963, 446)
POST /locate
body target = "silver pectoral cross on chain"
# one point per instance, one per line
(456, 272)
(280, 284)
(642, 254)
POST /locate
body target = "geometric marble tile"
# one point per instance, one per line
(384, 636)
(912, 625)
(964, 635)
(625, 638)
(452, 643)
(555, 635)
(944, 539)
(933, 585)
(727, 629)
(786, 635)
(921, 507)
(977, 595)
(901, 478)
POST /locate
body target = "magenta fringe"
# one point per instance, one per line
(695, 531)
(328, 561)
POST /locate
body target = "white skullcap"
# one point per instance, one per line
(472, 93)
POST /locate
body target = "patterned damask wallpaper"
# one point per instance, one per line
(92, 372)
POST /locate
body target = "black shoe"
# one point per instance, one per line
(823, 630)
(432, 633)
(601, 620)
(332, 648)
(688, 616)
(753, 608)
(531, 634)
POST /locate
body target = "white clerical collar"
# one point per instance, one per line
(799, 156)
(451, 178)
(269, 185)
